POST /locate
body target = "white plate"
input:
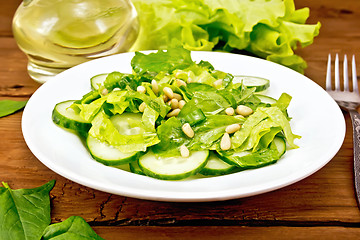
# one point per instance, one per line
(316, 117)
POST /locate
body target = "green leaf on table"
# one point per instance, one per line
(8, 107)
(73, 228)
(24, 213)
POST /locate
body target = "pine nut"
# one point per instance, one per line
(173, 113)
(232, 128)
(142, 107)
(180, 82)
(230, 111)
(225, 143)
(174, 103)
(181, 104)
(141, 89)
(243, 110)
(165, 98)
(168, 92)
(116, 89)
(184, 151)
(104, 91)
(188, 130)
(177, 96)
(155, 86)
(218, 83)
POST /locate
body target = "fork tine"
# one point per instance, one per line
(328, 74)
(345, 74)
(337, 74)
(354, 76)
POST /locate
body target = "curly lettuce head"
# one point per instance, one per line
(271, 29)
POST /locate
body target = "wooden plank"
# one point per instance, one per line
(228, 233)
(14, 80)
(7, 11)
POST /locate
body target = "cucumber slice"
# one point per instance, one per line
(280, 144)
(216, 166)
(261, 84)
(98, 81)
(107, 154)
(124, 167)
(135, 168)
(173, 168)
(122, 123)
(66, 117)
(266, 99)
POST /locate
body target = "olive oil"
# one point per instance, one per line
(58, 34)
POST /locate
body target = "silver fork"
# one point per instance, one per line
(349, 101)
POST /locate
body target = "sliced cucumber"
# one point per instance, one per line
(173, 168)
(124, 167)
(107, 154)
(266, 99)
(135, 168)
(128, 123)
(280, 144)
(261, 84)
(216, 166)
(98, 81)
(66, 117)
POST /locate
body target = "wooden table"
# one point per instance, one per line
(322, 206)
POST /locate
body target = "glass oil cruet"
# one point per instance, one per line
(59, 34)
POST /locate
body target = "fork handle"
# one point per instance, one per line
(355, 118)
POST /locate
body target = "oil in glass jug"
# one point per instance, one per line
(59, 34)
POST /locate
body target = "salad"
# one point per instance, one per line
(172, 118)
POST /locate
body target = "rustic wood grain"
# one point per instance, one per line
(7, 11)
(320, 206)
(228, 233)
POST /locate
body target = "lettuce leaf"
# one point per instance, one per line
(104, 130)
(271, 29)
(280, 119)
(264, 122)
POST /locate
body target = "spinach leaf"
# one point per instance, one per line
(251, 160)
(24, 213)
(121, 80)
(211, 130)
(173, 58)
(8, 107)
(171, 138)
(211, 103)
(73, 228)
